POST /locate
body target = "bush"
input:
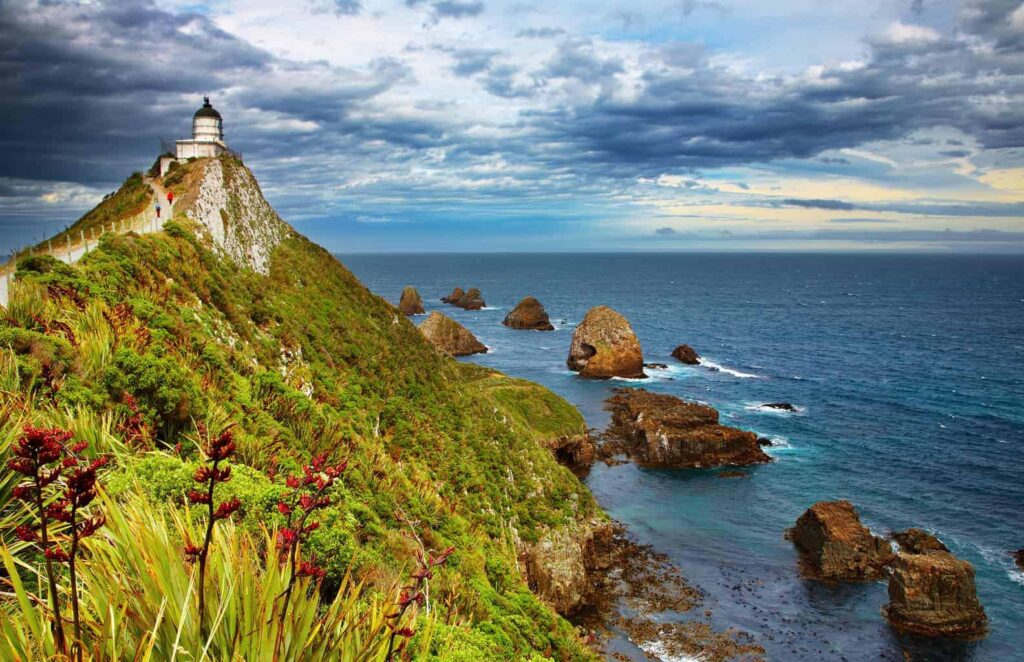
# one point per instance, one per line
(165, 393)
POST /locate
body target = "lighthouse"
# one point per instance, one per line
(207, 135)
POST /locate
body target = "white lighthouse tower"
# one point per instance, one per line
(207, 135)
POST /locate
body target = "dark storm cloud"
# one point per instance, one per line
(692, 115)
(81, 101)
(666, 231)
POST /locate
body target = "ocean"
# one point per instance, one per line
(908, 375)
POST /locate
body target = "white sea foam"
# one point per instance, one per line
(659, 650)
(711, 365)
(765, 409)
(491, 308)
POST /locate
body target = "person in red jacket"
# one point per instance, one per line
(170, 197)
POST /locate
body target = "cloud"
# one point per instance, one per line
(339, 7)
(665, 231)
(818, 204)
(539, 33)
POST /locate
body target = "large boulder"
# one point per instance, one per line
(686, 354)
(456, 294)
(933, 594)
(665, 431)
(1018, 558)
(449, 336)
(835, 546)
(471, 300)
(529, 314)
(605, 346)
(411, 303)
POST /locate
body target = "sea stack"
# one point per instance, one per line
(456, 294)
(834, 546)
(449, 336)
(604, 346)
(471, 300)
(664, 431)
(529, 314)
(411, 303)
(932, 592)
(686, 354)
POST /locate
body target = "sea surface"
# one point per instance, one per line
(908, 372)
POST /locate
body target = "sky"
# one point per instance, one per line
(531, 125)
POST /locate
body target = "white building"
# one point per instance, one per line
(207, 135)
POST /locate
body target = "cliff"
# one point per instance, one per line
(228, 318)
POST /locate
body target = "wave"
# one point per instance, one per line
(765, 409)
(491, 308)
(717, 367)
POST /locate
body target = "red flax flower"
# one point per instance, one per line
(60, 485)
(217, 450)
(413, 594)
(308, 492)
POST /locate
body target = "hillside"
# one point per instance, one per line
(150, 346)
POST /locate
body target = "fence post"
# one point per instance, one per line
(49, 246)
(84, 242)
(69, 247)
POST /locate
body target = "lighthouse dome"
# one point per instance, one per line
(207, 110)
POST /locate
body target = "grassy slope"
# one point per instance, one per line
(193, 338)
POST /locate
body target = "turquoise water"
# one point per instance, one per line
(909, 375)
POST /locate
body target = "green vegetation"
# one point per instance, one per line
(150, 341)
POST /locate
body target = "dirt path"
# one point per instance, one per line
(142, 223)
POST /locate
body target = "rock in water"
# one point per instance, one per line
(835, 546)
(933, 594)
(686, 354)
(662, 430)
(918, 541)
(529, 314)
(781, 406)
(471, 300)
(449, 336)
(411, 303)
(605, 346)
(1018, 558)
(456, 294)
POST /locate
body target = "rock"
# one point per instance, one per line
(665, 431)
(918, 541)
(449, 336)
(835, 546)
(456, 294)
(686, 354)
(529, 314)
(933, 594)
(656, 366)
(575, 451)
(557, 565)
(411, 303)
(605, 346)
(764, 441)
(783, 406)
(1018, 558)
(471, 300)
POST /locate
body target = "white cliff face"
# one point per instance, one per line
(233, 212)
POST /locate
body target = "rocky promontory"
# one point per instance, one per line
(686, 354)
(665, 431)
(932, 592)
(449, 336)
(529, 314)
(411, 303)
(605, 346)
(834, 546)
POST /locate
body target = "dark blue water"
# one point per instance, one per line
(909, 373)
